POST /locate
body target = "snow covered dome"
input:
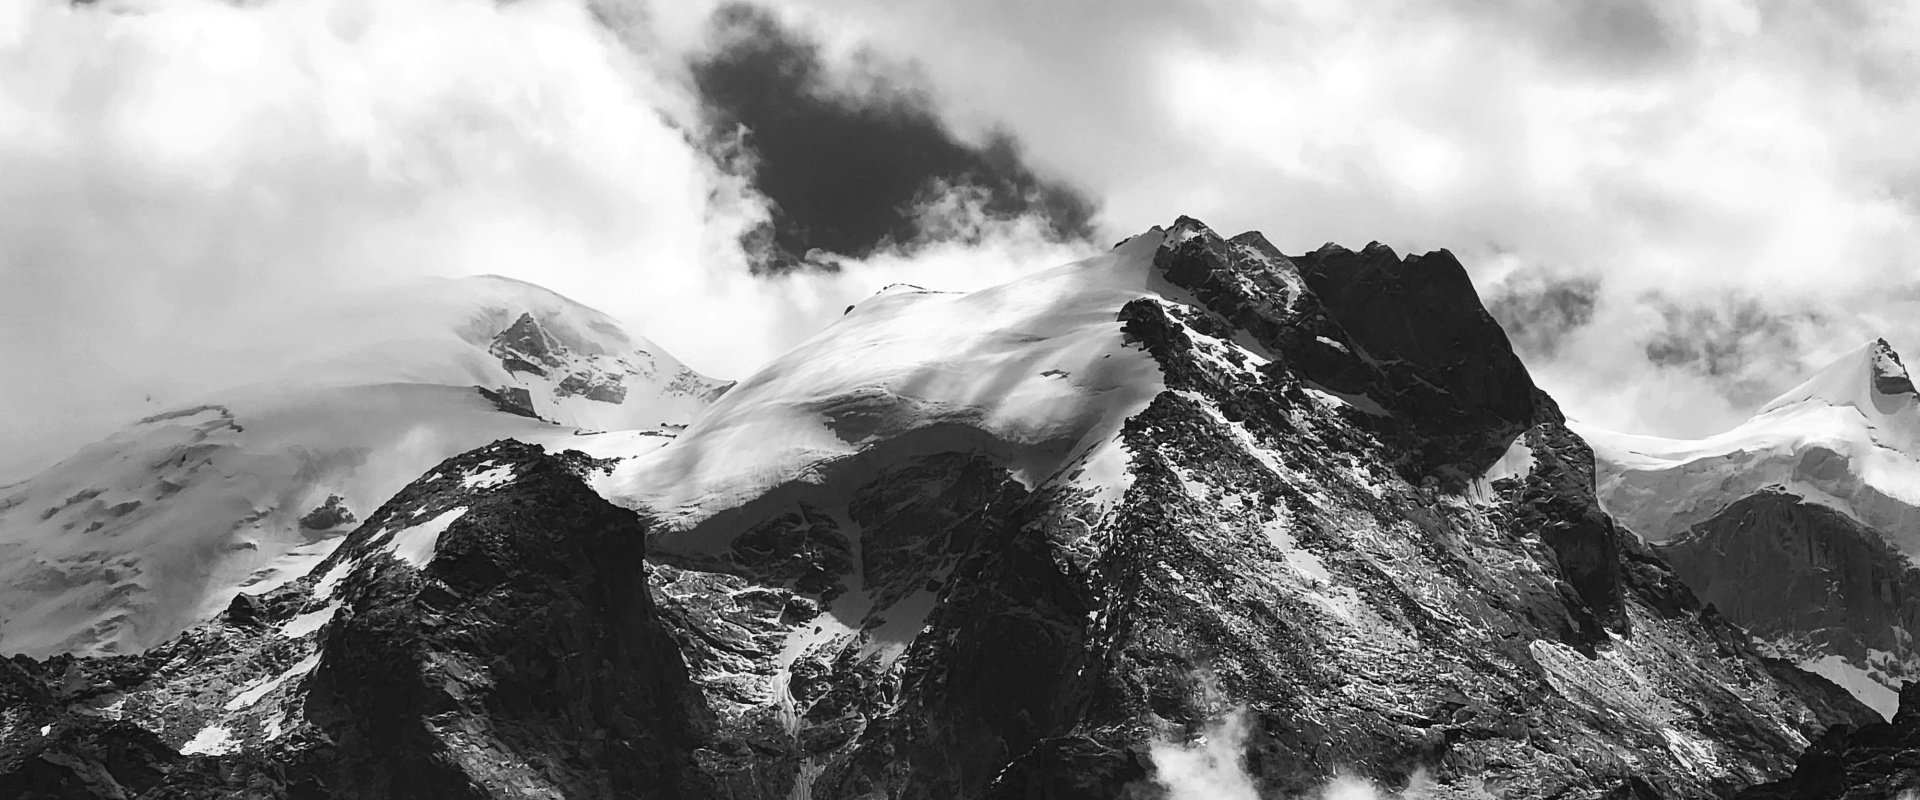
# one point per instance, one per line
(1034, 371)
(1871, 379)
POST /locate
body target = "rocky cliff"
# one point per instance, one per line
(487, 633)
(1811, 582)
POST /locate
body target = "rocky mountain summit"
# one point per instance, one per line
(1006, 544)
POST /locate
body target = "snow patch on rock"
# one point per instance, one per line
(252, 692)
(212, 740)
(311, 621)
(488, 478)
(414, 544)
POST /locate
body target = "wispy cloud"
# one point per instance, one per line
(1611, 172)
(1213, 767)
(178, 170)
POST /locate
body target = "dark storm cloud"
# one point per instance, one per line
(851, 172)
(1620, 37)
(1540, 311)
(1737, 342)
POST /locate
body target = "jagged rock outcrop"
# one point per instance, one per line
(1454, 376)
(515, 400)
(1879, 761)
(1454, 397)
(487, 633)
(525, 658)
(582, 370)
(329, 515)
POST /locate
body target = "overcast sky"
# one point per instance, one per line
(1677, 208)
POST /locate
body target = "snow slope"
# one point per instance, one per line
(1848, 437)
(468, 332)
(1034, 372)
(134, 538)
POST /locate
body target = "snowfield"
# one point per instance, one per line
(1033, 372)
(1834, 439)
(132, 539)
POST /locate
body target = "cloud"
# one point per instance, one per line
(181, 172)
(1213, 767)
(172, 165)
(844, 159)
(1540, 310)
(1611, 172)
(1679, 150)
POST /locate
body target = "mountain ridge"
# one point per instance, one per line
(1201, 488)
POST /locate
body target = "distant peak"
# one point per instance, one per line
(1186, 228)
(525, 346)
(1889, 375)
(1870, 378)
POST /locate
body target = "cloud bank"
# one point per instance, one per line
(1677, 208)
(1728, 183)
(181, 172)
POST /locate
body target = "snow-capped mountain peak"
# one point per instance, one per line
(1802, 523)
(132, 539)
(1847, 437)
(1034, 371)
(1871, 378)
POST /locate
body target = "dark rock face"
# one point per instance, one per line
(1451, 370)
(593, 386)
(1879, 761)
(88, 759)
(523, 657)
(1413, 337)
(329, 515)
(527, 347)
(1804, 575)
(1894, 381)
(514, 400)
(526, 658)
(1556, 503)
(524, 346)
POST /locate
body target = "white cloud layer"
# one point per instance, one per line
(1686, 151)
(1732, 171)
(180, 172)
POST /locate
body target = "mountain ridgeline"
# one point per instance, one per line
(994, 545)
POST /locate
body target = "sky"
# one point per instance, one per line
(1677, 209)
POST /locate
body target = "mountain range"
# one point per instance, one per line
(1296, 518)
